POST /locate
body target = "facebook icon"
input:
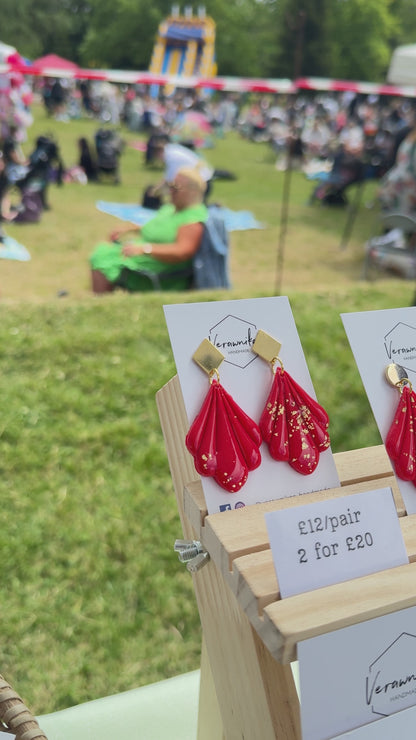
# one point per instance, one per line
(225, 507)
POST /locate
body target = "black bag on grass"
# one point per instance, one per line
(30, 208)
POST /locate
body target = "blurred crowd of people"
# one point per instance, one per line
(135, 106)
(337, 138)
(366, 127)
(316, 129)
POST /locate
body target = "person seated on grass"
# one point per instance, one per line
(7, 212)
(170, 239)
(175, 157)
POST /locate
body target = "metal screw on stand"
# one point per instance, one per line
(192, 553)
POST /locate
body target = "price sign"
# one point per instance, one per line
(332, 541)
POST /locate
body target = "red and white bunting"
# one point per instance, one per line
(227, 84)
(366, 88)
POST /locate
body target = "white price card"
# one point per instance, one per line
(359, 675)
(330, 541)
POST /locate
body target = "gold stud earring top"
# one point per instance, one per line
(397, 376)
(268, 348)
(208, 357)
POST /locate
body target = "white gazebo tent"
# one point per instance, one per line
(5, 52)
(402, 70)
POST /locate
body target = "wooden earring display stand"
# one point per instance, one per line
(250, 634)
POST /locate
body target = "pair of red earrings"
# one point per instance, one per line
(225, 442)
(401, 438)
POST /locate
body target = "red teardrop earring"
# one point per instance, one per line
(401, 438)
(223, 440)
(293, 424)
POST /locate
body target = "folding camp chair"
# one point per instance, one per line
(209, 268)
(393, 253)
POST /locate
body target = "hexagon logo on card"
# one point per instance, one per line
(234, 337)
(391, 679)
(400, 344)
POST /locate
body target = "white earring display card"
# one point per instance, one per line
(232, 326)
(355, 676)
(400, 725)
(377, 339)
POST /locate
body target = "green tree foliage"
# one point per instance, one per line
(337, 38)
(246, 36)
(364, 29)
(266, 38)
(405, 13)
(44, 26)
(121, 34)
(304, 37)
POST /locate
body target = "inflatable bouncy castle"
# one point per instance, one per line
(185, 45)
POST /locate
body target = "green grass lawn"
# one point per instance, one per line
(94, 598)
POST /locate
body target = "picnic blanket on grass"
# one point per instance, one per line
(234, 220)
(10, 249)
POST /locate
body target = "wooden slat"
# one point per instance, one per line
(209, 717)
(408, 527)
(174, 424)
(231, 534)
(353, 467)
(195, 506)
(254, 582)
(288, 621)
(364, 464)
(253, 578)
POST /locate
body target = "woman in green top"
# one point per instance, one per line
(171, 238)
